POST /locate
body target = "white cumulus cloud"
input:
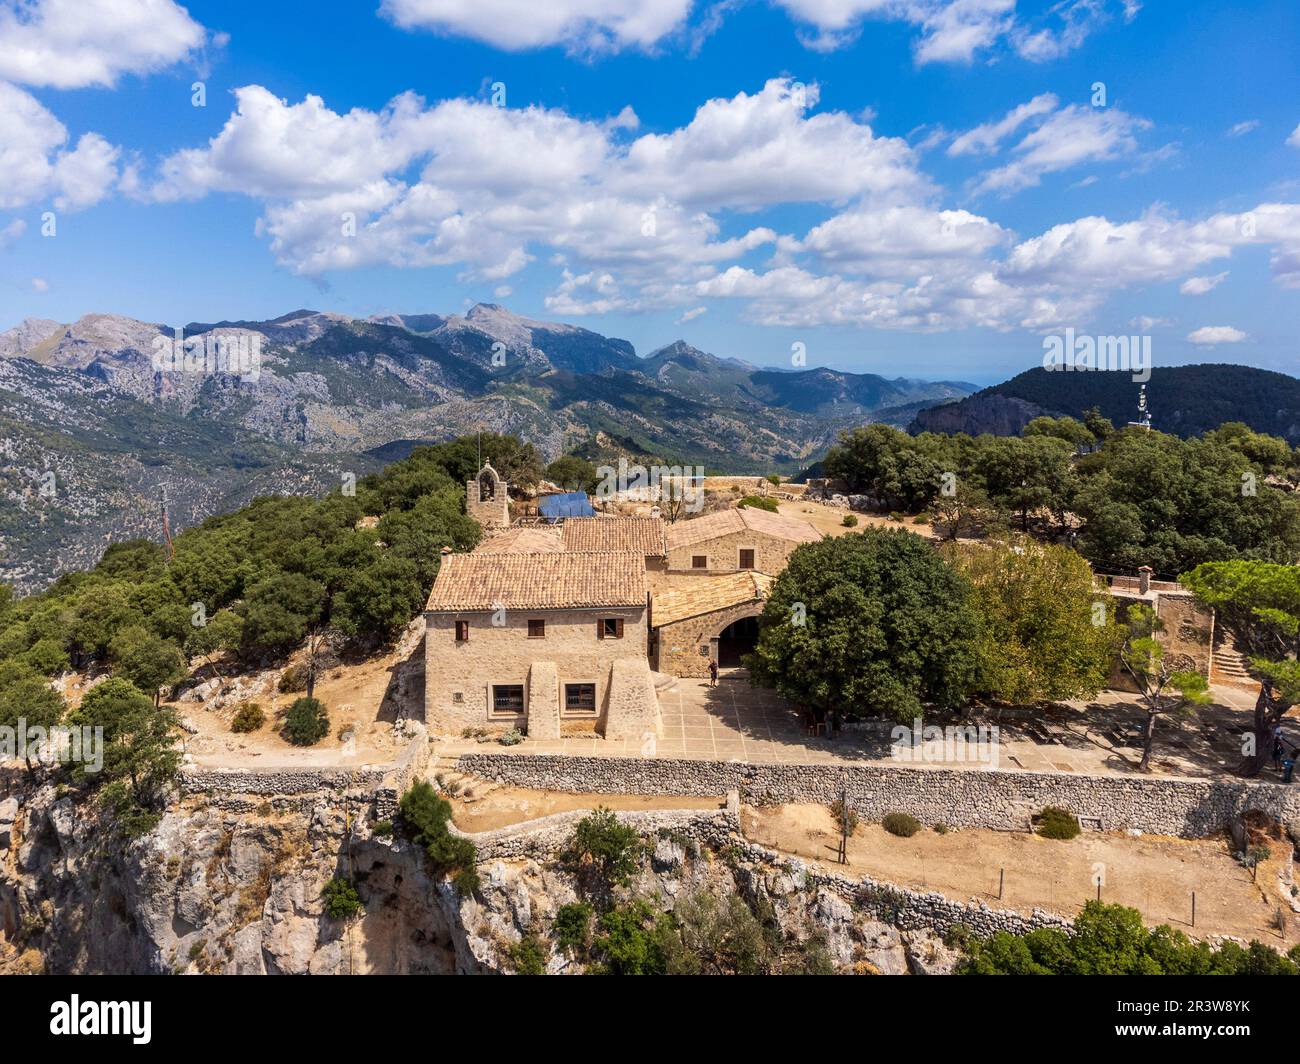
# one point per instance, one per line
(1212, 335)
(68, 44)
(1198, 286)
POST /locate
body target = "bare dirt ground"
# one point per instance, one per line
(830, 519)
(482, 806)
(1153, 874)
(353, 693)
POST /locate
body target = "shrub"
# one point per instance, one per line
(293, 679)
(846, 818)
(1057, 823)
(902, 824)
(921, 519)
(248, 718)
(511, 738)
(528, 956)
(603, 850)
(424, 820)
(759, 502)
(382, 828)
(341, 899)
(941, 829)
(572, 926)
(850, 521)
(307, 722)
(894, 515)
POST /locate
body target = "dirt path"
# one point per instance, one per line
(1153, 874)
(484, 806)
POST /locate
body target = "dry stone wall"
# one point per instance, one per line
(968, 798)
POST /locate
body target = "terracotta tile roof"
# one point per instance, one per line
(725, 522)
(523, 540)
(553, 581)
(706, 594)
(639, 535)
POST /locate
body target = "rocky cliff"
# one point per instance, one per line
(221, 887)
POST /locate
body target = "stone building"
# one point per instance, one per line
(1187, 635)
(549, 642)
(698, 619)
(729, 541)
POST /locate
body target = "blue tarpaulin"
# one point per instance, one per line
(570, 504)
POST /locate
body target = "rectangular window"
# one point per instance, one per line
(699, 561)
(609, 628)
(747, 559)
(462, 631)
(536, 629)
(580, 698)
(508, 698)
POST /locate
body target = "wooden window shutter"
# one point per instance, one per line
(600, 629)
(619, 628)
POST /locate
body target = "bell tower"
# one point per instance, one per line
(487, 498)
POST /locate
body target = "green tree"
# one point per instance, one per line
(603, 852)
(890, 465)
(1023, 477)
(1258, 603)
(222, 634)
(424, 820)
(279, 610)
(1162, 690)
(872, 622)
(26, 699)
(145, 660)
(572, 473)
(1046, 633)
(141, 759)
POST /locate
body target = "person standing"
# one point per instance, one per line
(1288, 765)
(713, 674)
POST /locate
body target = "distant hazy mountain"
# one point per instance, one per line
(1183, 400)
(335, 394)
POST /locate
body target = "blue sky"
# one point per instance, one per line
(910, 187)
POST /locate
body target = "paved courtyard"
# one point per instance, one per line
(738, 722)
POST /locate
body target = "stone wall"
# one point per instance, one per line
(968, 798)
(908, 910)
(718, 829)
(505, 654)
(549, 834)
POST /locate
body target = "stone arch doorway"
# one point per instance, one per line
(735, 640)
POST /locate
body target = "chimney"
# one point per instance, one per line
(1144, 579)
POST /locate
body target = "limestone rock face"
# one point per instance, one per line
(216, 890)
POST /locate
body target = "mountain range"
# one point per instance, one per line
(94, 436)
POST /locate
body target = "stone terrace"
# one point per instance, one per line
(738, 722)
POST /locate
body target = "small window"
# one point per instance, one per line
(536, 629)
(747, 559)
(580, 698)
(699, 561)
(609, 628)
(508, 698)
(462, 631)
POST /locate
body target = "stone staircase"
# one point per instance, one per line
(1229, 665)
